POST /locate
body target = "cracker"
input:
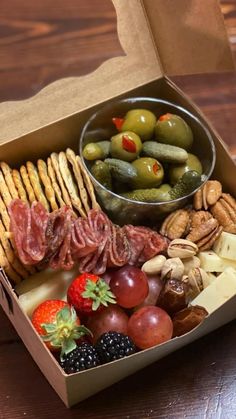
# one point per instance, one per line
(19, 185)
(27, 184)
(7, 171)
(35, 182)
(88, 184)
(49, 192)
(79, 179)
(4, 215)
(55, 164)
(70, 184)
(8, 268)
(52, 176)
(4, 191)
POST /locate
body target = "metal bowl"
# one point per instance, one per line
(100, 127)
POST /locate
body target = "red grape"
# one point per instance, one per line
(155, 286)
(111, 318)
(150, 326)
(130, 286)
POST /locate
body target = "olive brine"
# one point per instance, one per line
(147, 160)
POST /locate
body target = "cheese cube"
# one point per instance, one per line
(218, 292)
(208, 279)
(225, 246)
(211, 262)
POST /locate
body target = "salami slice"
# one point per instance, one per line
(153, 246)
(28, 227)
(119, 248)
(83, 239)
(62, 259)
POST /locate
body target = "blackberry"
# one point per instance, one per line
(113, 345)
(81, 358)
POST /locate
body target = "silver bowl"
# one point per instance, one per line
(100, 127)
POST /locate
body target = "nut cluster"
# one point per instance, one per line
(212, 213)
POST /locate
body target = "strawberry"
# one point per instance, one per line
(58, 325)
(88, 292)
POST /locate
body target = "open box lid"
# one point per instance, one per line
(159, 37)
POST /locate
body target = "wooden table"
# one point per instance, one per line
(41, 42)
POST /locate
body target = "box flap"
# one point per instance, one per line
(114, 77)
(190, 36)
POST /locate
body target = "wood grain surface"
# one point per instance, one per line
(41, 42)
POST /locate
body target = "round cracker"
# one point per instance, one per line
(19, 185)
(27, 184)
(36, 185)
(70, 184)
(7, 171)
(49, 192)
(79, 179)
(88, 184)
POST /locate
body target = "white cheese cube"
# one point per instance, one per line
(225, 246)
(207, 280)
(218, 292)
(211, 262)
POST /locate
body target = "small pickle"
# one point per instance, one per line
(150, 195)
(187, 184)
(100, 170)
(121, 170)
(164, 152)
(150, 173)
(126, 146)
(172, 129)
(177, 171)
(95, 151)
(140, 121)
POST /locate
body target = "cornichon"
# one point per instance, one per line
(101, 171)
(99, 150)
(121, 170)
(164, 152)
(187, 184)
(150, 195)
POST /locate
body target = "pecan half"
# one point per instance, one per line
(205, 234)
(199, 217)
(225, 212)
(207, 195)
(176, 225)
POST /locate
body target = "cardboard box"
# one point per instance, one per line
(159, 39)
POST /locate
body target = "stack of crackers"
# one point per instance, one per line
(62, 180)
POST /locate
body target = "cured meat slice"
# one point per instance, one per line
(83, 240)
(62, 259)
(144, 243)
(28, 227)
(56, 230)
(119, 248)
(153, 246)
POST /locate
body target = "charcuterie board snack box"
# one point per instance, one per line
(159, 40)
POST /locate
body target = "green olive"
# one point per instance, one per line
(101, 171)
(177, 171)
(140, 121)
(172, 129)
(126, 146)
(150, 173)
(96, 151)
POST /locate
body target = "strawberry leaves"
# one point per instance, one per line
(99, 292)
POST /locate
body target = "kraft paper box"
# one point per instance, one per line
(159, 40)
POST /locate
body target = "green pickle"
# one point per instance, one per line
(150, 173)
(173, 130)
(126, 146)
(121, 170)
(177, 171)
(101, 171)
(187, 184)
(97, 151)
(140, 121)
(150, 195)
(164, 152)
